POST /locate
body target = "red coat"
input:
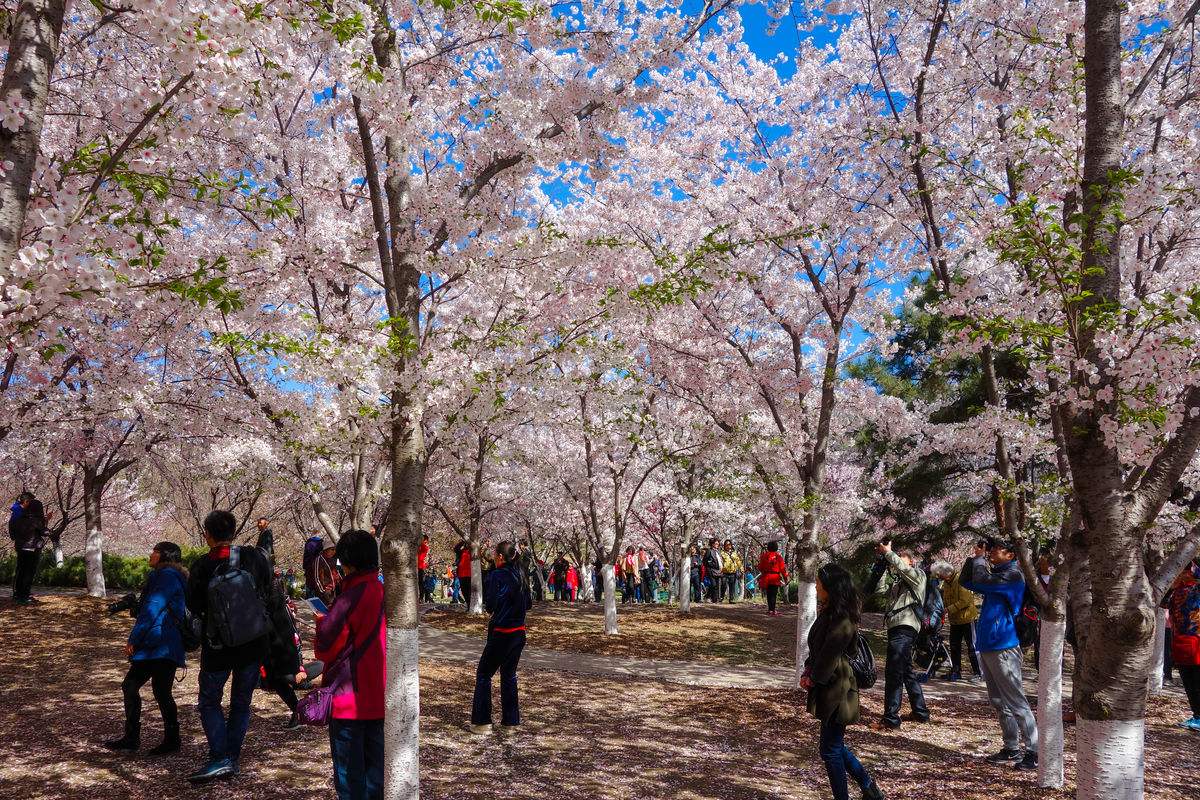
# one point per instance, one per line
(423, 555)
(464, 563)
(356, 612)
(1183, 604)
(773, 569)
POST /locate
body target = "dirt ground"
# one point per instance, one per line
(584, 737)
(736, 634)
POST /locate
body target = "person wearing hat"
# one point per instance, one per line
(997, 577)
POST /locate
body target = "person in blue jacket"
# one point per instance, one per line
(155, 649)
(998, 578)
(508, 598)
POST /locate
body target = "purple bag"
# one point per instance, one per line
(316, 707)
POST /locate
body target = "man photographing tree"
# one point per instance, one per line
(997, 577)
(904, 584)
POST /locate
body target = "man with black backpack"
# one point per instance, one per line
(896, 576)
(232, 594)
(997, 577)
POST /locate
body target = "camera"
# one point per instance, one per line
(127, 603)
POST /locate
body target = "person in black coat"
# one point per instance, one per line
(27, 528)
(508, 600)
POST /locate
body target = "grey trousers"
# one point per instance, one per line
(1002, 673)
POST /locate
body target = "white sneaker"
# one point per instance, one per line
(481, 730)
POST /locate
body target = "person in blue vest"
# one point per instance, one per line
(155, 650)
(998, 578)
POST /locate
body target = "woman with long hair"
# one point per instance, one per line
(829, 679)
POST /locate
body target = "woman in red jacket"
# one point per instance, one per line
(773, 573)
(1183, 603)
(352, 640)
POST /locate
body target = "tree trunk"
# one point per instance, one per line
(685, 584)
(587, 588)
(1049, 709)
(476, 606)
(36, 28)
(402, 533)
(1157, 656)
(806, 604)
(1111, 686)
(610, 601)
(93, 547)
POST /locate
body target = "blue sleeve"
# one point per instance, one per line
(153, 607)
(982, 580)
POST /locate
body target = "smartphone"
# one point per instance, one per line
(317, 605)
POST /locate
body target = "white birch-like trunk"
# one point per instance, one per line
(58, 556)
(1049, 708)
(93, 544)
(1109, 758)
(806, 605)
(685, 585)
(401, 726)
(610, 602)
(587, 588)
(740, 585)
(1156, 664)
(476, 586)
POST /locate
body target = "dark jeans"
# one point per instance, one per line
(898, 677)
(357, 749)
(421, 593)
(598, 589)
(714, 589)
(27, 564)
(464, 586)
(772, 596)
(225, 737)
(648, 586)
(839, 761)
(730, 587)
(502, 652)
(160, 672)
(1167, 655)
(960, 634)
(694, 585)
(1190, 677)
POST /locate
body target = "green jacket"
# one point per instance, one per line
(960, 602)
(834, 693)
(905, 589)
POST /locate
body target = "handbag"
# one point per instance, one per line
(316, 707)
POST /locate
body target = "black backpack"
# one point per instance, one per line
(862, 663)
(236, 614)
(1026, 621)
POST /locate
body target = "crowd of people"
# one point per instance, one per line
(231, 605)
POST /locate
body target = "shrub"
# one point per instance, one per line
(120, 572)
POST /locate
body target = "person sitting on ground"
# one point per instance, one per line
(1183, 604)
(237, 631)
(997, 577)
(505, 641)
(155, 650)
(961, 611)
(774, 574)
(352, 640)
(904, 584)
(829, 680)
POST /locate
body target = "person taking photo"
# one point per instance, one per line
(904, 585)
(997, 577)
(155, 650)
(505, 640)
